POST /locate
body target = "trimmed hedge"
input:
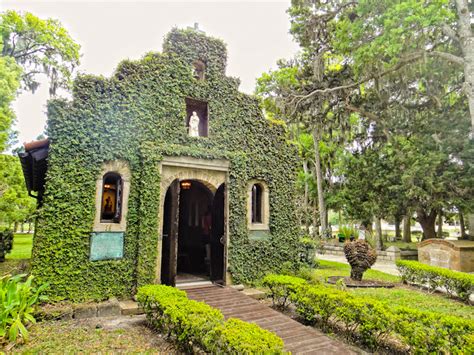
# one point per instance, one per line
(237, 337)
(194, 323)
(456, 283)
(371, 321)
(281, 286)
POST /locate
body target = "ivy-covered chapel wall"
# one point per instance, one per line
(139, 115)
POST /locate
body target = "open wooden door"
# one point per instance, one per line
(218, 236)
(170, 235)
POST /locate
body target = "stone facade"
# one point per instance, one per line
(452, 254)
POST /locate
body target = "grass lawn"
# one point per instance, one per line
(17, 261)
(423, 301)
(400, 295)
(84, 337)
(333, 268)
(22, 244)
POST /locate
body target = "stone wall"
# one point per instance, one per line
(452, 254)
(391, 254)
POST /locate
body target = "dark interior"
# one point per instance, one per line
(193, 204)
(188, 257)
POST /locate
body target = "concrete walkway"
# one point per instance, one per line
(384, 266)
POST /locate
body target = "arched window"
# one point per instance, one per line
(257, 192)
(111, 206)
(258, 206)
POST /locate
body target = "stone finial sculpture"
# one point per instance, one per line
(361, 256)
(194, 125)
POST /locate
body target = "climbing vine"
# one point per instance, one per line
(138, 115)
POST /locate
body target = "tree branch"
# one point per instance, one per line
(448, 56)
(448, 31)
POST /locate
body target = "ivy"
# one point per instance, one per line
(138, 115)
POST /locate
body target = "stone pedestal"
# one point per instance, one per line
(451, 254)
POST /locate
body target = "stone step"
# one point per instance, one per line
(254, 293)
(130, 308)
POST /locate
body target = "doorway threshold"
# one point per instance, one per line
(191, 284)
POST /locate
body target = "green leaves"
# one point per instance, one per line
(17, 301)
(457, 284)
(169, 310)
(39, 46)
(371, 321)
(15, 204)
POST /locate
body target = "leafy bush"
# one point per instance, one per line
(456, 283)
(17, 301)
(348, 231)
(281, 286)
(6, 243)
(307, 246)
(196, 323)
(428, 332)
(371, 321)
(238, 337)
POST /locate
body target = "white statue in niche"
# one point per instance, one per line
(194, 125)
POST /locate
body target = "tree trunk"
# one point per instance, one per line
(440, 224)
(15, 227)
(29, 227)
(466, 40)
(462, 225)
(427, 222)
(315, 220)
(398, 234)
(378, 234)
(407, 229)
(319, 183)
(22, 227)
(306, 194)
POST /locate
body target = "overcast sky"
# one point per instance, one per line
(256, 33)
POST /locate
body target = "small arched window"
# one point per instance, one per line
(258, 206)
(257, 213)
(111, 206)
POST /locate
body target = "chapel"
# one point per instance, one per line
(162, 173)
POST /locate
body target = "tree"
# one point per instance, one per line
(30, 46)
(15, 204)
(384, 36)
(9, 84)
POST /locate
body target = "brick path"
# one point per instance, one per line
(298, 339)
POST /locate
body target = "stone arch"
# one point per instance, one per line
(212, 173)
(208, 180)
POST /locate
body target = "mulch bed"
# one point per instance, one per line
(364, 283)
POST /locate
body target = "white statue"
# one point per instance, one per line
(194, 125)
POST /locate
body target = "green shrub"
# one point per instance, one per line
(239, 337)
(281, 286)
(17, 301)
(6, 243)
(307, 246)
(429, 332)
(317, 303)
(196, 323)
(348, 231)
(456, 283)
(370, 320)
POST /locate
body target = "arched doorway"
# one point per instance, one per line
(193, 233)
